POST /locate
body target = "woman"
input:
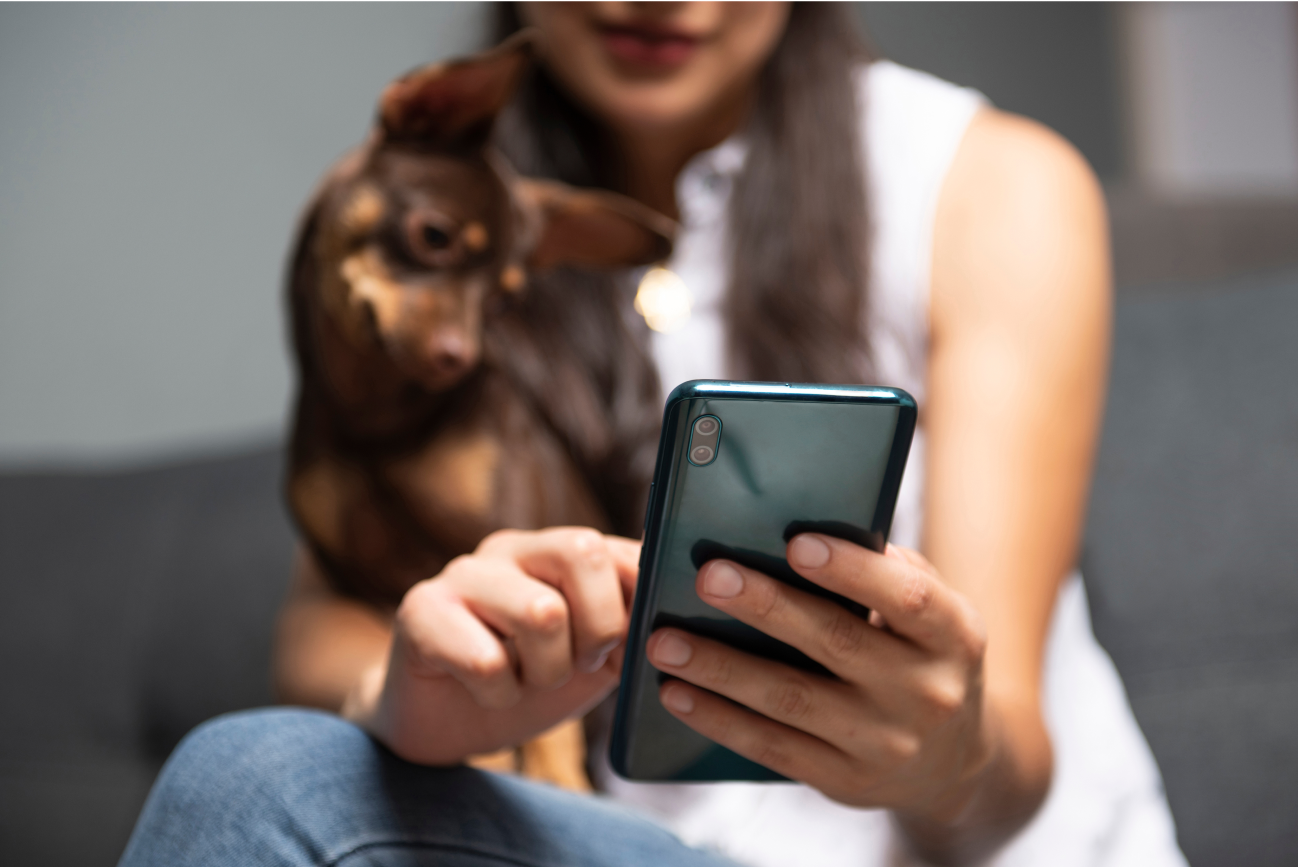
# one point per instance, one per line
(759, 126)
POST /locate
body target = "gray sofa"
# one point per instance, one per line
(133, 605)
(1191, 557)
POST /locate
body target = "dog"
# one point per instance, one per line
(455, 374)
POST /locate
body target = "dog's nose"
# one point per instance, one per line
(449, 356)
(449, 363)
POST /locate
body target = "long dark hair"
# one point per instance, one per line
(795, 309)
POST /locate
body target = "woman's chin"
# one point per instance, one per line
(649, 109)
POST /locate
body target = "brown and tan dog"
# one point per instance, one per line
(451, 381)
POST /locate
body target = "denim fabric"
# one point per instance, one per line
(296, 787)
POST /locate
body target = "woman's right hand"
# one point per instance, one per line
(504, 643)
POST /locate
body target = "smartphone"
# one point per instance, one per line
(742, 468)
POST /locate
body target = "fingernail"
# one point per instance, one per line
(808, 552)
(678, 700)
(596, 662)
(722, 580)
(672, 650)
(593, 664)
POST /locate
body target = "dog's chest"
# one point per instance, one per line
(499, 468)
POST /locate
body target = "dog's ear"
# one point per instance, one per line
(590, 227)
(456, 101)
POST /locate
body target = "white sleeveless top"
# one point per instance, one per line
(1106, 805)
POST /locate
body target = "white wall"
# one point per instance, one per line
(1214, 97)
(152, 161)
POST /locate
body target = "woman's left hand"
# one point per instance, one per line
(902, 726)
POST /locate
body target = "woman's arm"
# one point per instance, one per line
(325, 642)
(1020, 324)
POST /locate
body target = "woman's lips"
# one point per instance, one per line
(647, 48)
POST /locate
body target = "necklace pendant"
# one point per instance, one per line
(663, 300)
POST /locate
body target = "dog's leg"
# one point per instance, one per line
(504, 761)
(558, 756)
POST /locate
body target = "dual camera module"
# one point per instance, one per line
(705, 438)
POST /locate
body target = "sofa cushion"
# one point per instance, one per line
(133, 606)
(1191, 555)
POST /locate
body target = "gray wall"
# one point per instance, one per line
(1056, 62)
(153, 158)
(152, 161)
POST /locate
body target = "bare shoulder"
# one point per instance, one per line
(1011, 167)
(1021, 226)
(1019, 147)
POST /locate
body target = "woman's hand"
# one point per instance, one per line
(501, 645)
(902, 726)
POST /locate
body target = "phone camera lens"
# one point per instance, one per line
(701, 454)
(706, 426)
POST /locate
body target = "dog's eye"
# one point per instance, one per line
(435, 238)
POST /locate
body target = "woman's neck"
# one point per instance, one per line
(654, 157)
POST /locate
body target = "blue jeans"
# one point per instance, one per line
(295, 787)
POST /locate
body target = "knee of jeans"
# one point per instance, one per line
(251, 750)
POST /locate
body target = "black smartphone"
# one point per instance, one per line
(742, 468)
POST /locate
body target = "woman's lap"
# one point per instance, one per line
(295, 787)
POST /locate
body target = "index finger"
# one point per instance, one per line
(582, 564)
(626, 558)
(912, 599)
